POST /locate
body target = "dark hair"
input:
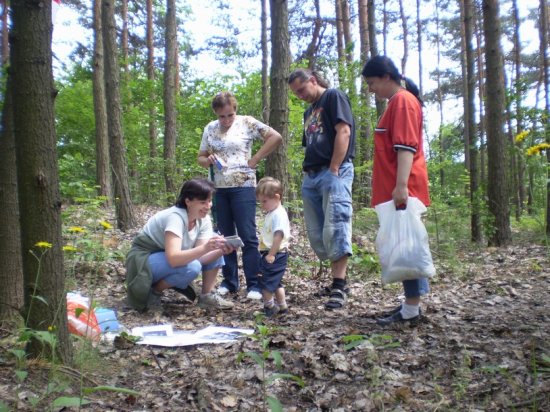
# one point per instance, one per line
(306, 74)
(196, 188)
(223, 99)
(379, 66)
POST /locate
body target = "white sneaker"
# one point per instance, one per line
(222, 291)
(254, 295)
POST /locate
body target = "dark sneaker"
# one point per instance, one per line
(270, 311)
(396, 318)
(394, 311)
(190, 292)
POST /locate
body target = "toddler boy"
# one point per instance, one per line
(274, 241)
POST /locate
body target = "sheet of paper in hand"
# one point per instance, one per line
(234, 241)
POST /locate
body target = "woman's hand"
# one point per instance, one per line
(214, 243)
(400, 195)
(270, 258)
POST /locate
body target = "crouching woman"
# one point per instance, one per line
(173, 248)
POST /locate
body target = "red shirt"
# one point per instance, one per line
(399, 128)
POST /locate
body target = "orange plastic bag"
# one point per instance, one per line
(81, 320)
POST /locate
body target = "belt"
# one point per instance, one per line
(283, 250)
(315, 169)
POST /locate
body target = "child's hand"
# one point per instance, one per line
(270, 258)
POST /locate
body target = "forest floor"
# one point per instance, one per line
(482, 344)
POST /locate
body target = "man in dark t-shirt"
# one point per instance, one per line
(329, 141)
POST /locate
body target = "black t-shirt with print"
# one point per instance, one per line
(320, 120)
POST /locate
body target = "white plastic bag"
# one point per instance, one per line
(402, 242)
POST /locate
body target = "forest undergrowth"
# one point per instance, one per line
(482, 344)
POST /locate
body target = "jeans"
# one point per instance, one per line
(328, 211)
(416, 287)
(180, 276)
(236, 209)
(272, 273)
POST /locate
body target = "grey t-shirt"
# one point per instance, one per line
(175, 220)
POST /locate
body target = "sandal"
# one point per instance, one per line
(337, 299)
(327, 290)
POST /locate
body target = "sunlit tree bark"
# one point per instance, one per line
(123, 201)
(37, 176)
(470, 123)
(405, 27)
(276, 164)
(103, 175)
(11, 265)
(170, 74)
(265, 64)
(151, 77)
(497, 187)
(545, 66)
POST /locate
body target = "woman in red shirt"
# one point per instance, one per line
(399, 169)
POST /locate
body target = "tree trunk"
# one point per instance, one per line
(38, 180)
(439, 96)
(151, 78)
(124, 36)
(123, 201)
(373, 44)
(496, 143)
(349, 75)
(545, 63)
(470, 124)
(4, 33)
(405, 28)
(276, 164)
(265, 65)
(365, 126)
(481, 93)
(385, 24)
(11, 265)
(419, 41)
(170, 74)
(100, 108)
(520, 164)
(311, 51)
(340, 42)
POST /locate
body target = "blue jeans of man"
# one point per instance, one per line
(328, 210)
(236, 210)
(179, 276)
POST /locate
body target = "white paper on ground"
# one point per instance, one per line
(164, 335)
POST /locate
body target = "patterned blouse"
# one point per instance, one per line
(233, 149)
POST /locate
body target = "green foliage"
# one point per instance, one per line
(379, 341)
(262, 336)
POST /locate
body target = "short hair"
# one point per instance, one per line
(306, 74)
(197, 188)
(269, 186)
(223, 99)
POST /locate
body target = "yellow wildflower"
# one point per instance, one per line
(77, 229)
(43, 245)
(69, 248)
(520, 137)
(51, 328)
(106, 225)
(534, 150)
